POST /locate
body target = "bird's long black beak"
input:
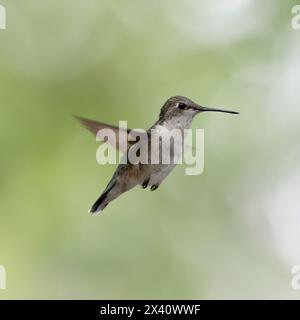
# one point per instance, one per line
(203, 109)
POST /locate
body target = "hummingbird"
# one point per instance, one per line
(178, 113)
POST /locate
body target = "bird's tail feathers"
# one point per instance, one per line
(102, 202)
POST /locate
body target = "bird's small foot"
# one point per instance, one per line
(154, 187)
(145, 183)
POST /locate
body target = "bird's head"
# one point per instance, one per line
(179, 106)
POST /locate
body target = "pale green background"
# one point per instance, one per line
(232, 232)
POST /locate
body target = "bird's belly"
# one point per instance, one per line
(160, 173)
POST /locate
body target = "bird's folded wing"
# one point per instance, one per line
(121, 134)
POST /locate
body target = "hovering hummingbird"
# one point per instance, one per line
(177, 113)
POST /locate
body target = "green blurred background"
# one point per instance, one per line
(232, 232)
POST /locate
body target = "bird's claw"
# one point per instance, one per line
(145, 183)
(154, 187)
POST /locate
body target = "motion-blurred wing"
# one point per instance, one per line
(95, 126)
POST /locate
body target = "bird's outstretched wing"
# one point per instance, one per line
(120, 133)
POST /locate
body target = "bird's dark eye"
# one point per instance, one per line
(182, 106)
